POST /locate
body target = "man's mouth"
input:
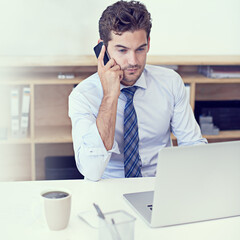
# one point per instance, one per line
(132, 70)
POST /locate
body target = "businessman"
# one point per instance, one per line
(124, 114)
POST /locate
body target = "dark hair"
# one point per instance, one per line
(124, 16)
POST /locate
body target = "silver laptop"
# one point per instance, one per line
(193, 184)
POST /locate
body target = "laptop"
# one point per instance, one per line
(193, 184)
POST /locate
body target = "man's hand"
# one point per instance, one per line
(110, 76)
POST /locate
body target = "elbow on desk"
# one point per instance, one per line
(90, 174)
(90, 171)
(92, 177)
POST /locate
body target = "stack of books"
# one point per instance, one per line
(207, 126)
(20, 106)
(220, 71)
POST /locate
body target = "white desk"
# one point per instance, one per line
(21, 212)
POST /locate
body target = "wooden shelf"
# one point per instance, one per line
(193, 60)
(53, 134)
(90, 60)
(234, 134)
(47, 61)
(198, 78)
(40, 79)
(16, 141)
(225, 135)
(52, 79)
(62, 134)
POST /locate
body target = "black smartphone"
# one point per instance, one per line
(97, 50)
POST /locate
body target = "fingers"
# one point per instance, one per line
(116, 71)
(109, 64)
(115, 67)
(101, 56)
(111, 69)
(120, 75)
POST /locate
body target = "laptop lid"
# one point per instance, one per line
(197, 183)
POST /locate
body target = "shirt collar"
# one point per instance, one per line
(141, 82)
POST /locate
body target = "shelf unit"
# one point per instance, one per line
(50, 126)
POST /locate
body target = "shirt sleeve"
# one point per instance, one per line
(90, 153)
(183, 123)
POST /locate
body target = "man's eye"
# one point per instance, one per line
(140, 49)
(122, 50)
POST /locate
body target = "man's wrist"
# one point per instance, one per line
(109, 100)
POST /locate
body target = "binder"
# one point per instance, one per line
(15, 112)
(188, 91)
(231, 71)
(25, 112)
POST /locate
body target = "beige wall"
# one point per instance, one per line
(69, 27)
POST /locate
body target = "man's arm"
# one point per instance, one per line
(93, 121)
(110, 76)
(183, 123)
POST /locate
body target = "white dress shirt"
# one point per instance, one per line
(162, 106)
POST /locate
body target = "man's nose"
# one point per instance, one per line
(132, 59)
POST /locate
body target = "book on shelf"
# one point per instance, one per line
(25, 112)
(206, 125)
(211, 71)
(15, 126)
(225, 113)
(20, 105)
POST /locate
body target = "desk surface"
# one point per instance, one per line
(22, 217)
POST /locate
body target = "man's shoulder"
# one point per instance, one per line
(90, 82)
(160, 71)
(162, 77)
(159, 74)
(88, 85)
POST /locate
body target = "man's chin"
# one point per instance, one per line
(129, 80)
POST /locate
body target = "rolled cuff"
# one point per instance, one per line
(93, 157)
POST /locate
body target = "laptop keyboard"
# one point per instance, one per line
(149, 206)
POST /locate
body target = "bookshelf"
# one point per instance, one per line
(50, 126)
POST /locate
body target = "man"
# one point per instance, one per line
(124, 114)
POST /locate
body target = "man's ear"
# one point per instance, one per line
(148, 44)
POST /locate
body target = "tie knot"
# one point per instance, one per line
(129, 92)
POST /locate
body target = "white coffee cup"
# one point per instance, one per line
(57, 208)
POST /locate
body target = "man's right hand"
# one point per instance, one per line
(110, 75)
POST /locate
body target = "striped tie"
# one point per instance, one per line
(132, 161)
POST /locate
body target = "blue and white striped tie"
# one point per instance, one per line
(132, 161)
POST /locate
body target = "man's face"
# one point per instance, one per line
(129, 50)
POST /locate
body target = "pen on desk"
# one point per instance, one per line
(100, 214)
(115, 234)
(115, 230)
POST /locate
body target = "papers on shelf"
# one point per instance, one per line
(25, 112)
(15, 112)
(207, 126)
(20, 104)
(220, 71)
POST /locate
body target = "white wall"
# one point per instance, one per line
(70, 27)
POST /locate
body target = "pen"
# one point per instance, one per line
(115, 233)
(100, 214)
(115, 229)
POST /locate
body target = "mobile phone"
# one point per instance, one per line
(97, 50)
